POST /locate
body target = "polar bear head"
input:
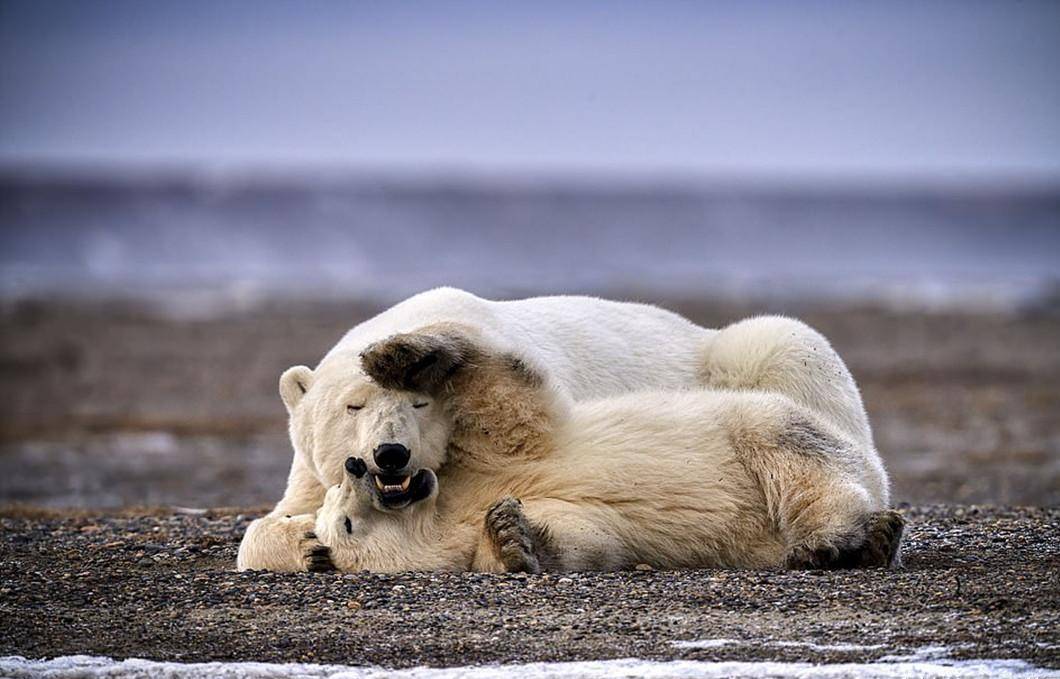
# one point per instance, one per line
(336, 412)
(406, 403)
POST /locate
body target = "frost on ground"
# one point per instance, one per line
(718, 643)
(87, 667)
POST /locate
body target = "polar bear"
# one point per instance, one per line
(587, 347)
(582, 348)
(693, 478)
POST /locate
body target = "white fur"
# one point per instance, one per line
(591, 347)
(746, 476)
(585, 348)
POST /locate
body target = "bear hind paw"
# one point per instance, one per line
(878, 547)
(512, 536)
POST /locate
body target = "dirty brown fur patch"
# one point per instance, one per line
(499, 406)
(498, 411)
(883, 540)
(519, 368)
(419, 361)
(544, 547)
(796, 466)
(803, 437)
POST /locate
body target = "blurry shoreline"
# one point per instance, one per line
(197, 242)
(557, 179)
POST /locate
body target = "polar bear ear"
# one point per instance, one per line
(294, 382)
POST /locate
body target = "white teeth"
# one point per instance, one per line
(393, 487)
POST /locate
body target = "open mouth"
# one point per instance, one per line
(392, 485)
(399, 491)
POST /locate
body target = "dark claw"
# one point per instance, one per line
(356, 466)
(512, 536)
(319, 560)
(879, 548)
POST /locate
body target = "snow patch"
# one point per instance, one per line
(819, 648)
(87, 667)
(919, 655)
(707, 643)
(823, 648)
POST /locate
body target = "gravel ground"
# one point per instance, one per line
(109, 405)
(983, 581)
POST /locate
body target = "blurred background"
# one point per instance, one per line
(196, 195)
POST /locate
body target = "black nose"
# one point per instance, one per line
(391, 457)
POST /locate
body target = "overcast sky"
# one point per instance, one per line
(845, 88)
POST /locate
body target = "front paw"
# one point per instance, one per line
(316, 556)
(512, 536)
(416, 361)
(277, 543)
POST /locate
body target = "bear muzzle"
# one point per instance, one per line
(394, 491)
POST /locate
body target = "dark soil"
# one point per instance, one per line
(983, 581)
